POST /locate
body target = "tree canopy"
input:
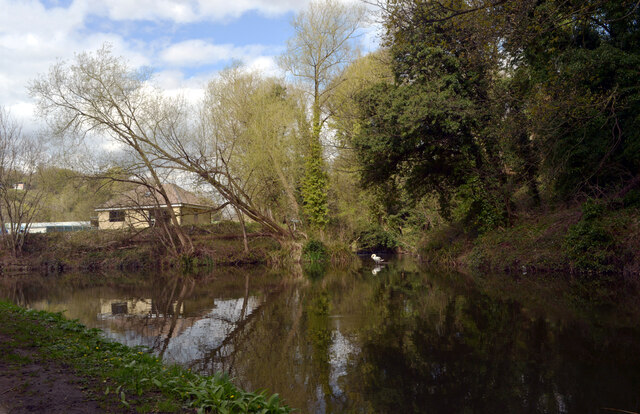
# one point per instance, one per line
(492, 96)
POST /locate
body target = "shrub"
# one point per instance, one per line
(377, 238)
(314, 251)
(632, 199)
(587, 244)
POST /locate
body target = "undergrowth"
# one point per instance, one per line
(590, 238)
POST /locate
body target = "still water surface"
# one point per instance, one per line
(396, 339)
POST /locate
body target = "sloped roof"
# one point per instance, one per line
(143, 196)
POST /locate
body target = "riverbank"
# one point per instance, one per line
(217, 244)
(581, 239)
(48, 363)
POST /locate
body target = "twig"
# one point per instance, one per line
(619, 411)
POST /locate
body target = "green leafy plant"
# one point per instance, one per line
(377, 238)
(314, 251)
(587, 244)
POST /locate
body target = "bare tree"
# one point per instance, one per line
(99, 93)
(318, 53)
(20, 200)
(321, 49)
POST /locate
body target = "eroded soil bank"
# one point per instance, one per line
(217, 244)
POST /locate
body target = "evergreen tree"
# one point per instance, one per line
(315, 186)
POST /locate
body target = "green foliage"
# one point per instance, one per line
(444, 244)
(377, 238)
(317, 54)
(528, 99)
(314, 188)
(588, 244)
(419, 132)
(632, 199)
(314, 251)
(583, 94)
(315, 270)
(69, 196)
(315, 258)
(190, 264)
(341, 254)
(592, 209)
(475, 210)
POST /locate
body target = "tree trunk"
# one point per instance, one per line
(244, 230)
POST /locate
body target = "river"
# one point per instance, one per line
(393, 339)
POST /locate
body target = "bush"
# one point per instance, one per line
(377, 238)
(632, 199)
(314, 251)
(443, 245)
(592, 210)
(587, 244)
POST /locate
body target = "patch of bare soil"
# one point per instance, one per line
(31, 386)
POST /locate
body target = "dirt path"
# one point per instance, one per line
(29, 385)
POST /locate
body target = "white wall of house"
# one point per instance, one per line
(137, 219)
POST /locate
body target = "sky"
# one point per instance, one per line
(185, 42)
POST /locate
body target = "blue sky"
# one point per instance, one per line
(185, 41)
(252, 32)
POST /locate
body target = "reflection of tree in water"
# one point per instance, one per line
(166, 307)
(319, 336)
(163, 306)
(13, 290)
(416, 342)
(432, 351)
(222, 357)
(283, 345)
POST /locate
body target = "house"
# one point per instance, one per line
(144, 207)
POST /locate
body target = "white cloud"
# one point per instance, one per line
(33, 37)
(174, 84)
(197, 52)
(188, 11)
(220, 9)
(266, 65)
(174, 10)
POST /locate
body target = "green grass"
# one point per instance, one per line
(139, 380)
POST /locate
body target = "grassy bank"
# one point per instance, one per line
(216, 244)
(112, 375)
(585, 238)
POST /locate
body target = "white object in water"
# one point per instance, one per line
(377, 258)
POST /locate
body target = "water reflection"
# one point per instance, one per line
(397, 339)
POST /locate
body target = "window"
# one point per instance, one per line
(115, 216)
(158, 214)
